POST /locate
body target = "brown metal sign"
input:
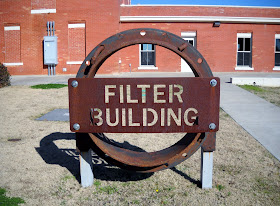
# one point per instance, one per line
(144, 105)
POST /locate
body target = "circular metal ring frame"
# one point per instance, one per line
(144, 161)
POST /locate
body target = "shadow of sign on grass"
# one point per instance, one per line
(69, 158)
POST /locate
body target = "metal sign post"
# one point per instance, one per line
(144, 105)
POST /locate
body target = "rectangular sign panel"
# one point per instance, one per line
(144, 105)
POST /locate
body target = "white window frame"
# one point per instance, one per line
(243, 36)
(147, 67)
(276, 68)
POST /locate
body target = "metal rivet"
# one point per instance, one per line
(74, 83)
(143, 33)
(87, 63)
(76, 126)
(213, 82)
(184, 154)
(199, 60)
(212, 126)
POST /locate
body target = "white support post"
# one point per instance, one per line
(206, 171)
(86, 168)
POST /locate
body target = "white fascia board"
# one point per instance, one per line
(277, 36)
(224, 19)
(43, 11)
(11, 28)
(78, 25)
(182, 5)
(13, 64)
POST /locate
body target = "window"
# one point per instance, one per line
(244, 51)
(190, 37)
(147, 55)
(277, 51)
(76, 43)
(12, 45)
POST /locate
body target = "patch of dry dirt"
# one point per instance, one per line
(43, 167)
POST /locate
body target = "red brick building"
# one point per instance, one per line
(231, 39)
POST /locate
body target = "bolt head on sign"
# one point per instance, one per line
(144, 105)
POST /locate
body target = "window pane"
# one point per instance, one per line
(277, 45)
(151, 58)
(240, 58)
(240, 44)
(247, 44)
(144, 59)
(147, 47)
(150, 47)
(191, 42)
(277, 59)
(144, 47)
(247, 59)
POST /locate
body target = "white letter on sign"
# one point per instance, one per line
(157, 93)
(108, 118)
(108, 93)
(144, 96)
(145, 117)
(187, 114)
(128, 93)
(170, 113)
(130, 119)
(178, 94)
(96, 116)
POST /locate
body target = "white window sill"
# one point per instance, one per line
(43, 11)
(74, 62)
(276, 68)
(148, 68)
(245, 68)
(13, 64)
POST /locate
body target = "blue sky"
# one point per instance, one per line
(275, 3)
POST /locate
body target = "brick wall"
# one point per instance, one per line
(43, 4)
(218, 45)
(102, 19)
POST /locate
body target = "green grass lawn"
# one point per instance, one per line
(9, 201)
(48, 86)
(270, 94)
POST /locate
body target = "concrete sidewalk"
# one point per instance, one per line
(40, 79)
(258, 117)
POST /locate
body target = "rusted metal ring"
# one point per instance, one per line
(144, 161)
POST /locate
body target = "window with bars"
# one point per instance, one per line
(244, 50)
(147, 53)
(277, 50)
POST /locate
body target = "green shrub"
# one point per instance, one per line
(4, 76)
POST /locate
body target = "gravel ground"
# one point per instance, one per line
(43, 167)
